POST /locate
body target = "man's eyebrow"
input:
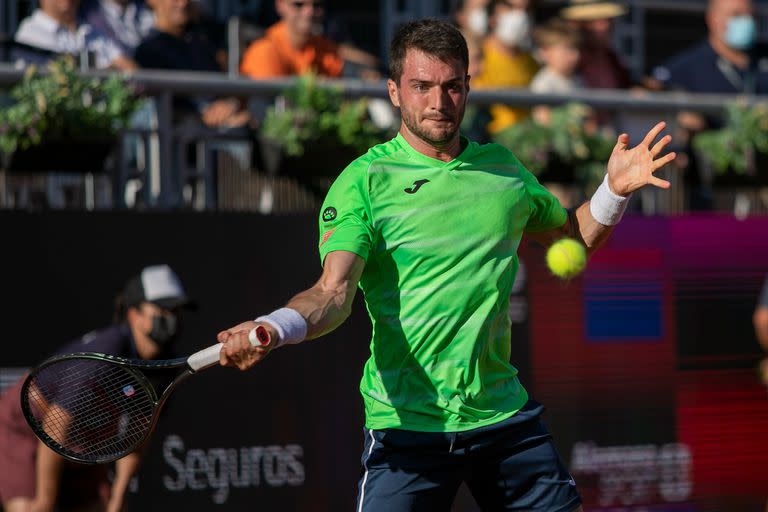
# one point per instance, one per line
(431, 82)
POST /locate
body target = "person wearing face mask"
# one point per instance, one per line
(728, 61)
(471, 16)
(507, 61)
(145, 326)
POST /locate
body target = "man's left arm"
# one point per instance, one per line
(629, 169)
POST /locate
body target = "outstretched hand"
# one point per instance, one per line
(630, 169)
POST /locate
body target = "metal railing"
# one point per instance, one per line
(164, 85)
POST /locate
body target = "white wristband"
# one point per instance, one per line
(290, 326)
(607, 207)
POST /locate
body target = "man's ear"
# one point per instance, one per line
(392, 90)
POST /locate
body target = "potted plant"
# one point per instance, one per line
(737, 153)
(60, 120)
(568, 149)
(312, 133)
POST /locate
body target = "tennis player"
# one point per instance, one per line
(33, 478)
(428, 225)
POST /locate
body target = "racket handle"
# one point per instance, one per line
(205, 358)
(259, 337)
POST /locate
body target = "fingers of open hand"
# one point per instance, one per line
(659, 146)
(661, 162)
(621, 142)
(658, 182)
(652, 134)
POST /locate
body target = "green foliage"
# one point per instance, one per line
(63, 105)
(732, 147)
(568, 140)
(313, 114)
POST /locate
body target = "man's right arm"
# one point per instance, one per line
(323, 307)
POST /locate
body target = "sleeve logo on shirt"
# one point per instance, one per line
(329, 214)
(326, 236)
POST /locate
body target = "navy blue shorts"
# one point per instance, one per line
(512, 465)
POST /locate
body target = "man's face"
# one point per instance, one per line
(171, 12)
(300, 15)
(598, 31)
(156, 326)
(720, 11)
(59, 8)
(431, 96)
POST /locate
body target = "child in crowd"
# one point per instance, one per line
(557, 46)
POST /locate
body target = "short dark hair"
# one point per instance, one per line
(434, 37)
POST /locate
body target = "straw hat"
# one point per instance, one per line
(585, 10)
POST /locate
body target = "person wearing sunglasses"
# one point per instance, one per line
(294, 45)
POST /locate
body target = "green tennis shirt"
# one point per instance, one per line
(440, 244)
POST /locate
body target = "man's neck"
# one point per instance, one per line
(67, 20)
(168, 28)
(738, 58)
(443, 152)
(297, 41)
(559, 72)
(512, 51)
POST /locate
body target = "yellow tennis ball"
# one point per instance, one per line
(566, 258)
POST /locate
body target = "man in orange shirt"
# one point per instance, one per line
(290, 46)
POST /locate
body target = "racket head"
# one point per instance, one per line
(89, 408)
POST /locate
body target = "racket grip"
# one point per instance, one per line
(259, 337)
(205, 358)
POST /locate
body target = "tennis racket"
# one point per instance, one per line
(95, 408)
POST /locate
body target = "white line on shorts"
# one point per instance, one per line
(365, 476)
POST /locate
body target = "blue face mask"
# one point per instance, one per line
(740, 32)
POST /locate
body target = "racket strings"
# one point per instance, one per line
(93, 409)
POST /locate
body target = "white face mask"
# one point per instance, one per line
(513, 28)
(477, 21)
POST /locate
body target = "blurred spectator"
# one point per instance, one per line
(292, 46)
(728, 61)
(202, 19)
(172, 44)
(124, 22)
(33, 477)
(471, 16)
(476, 117)
(506, 60)
(760, 321)
(56, 28)
(599, 65)
(557, 47)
